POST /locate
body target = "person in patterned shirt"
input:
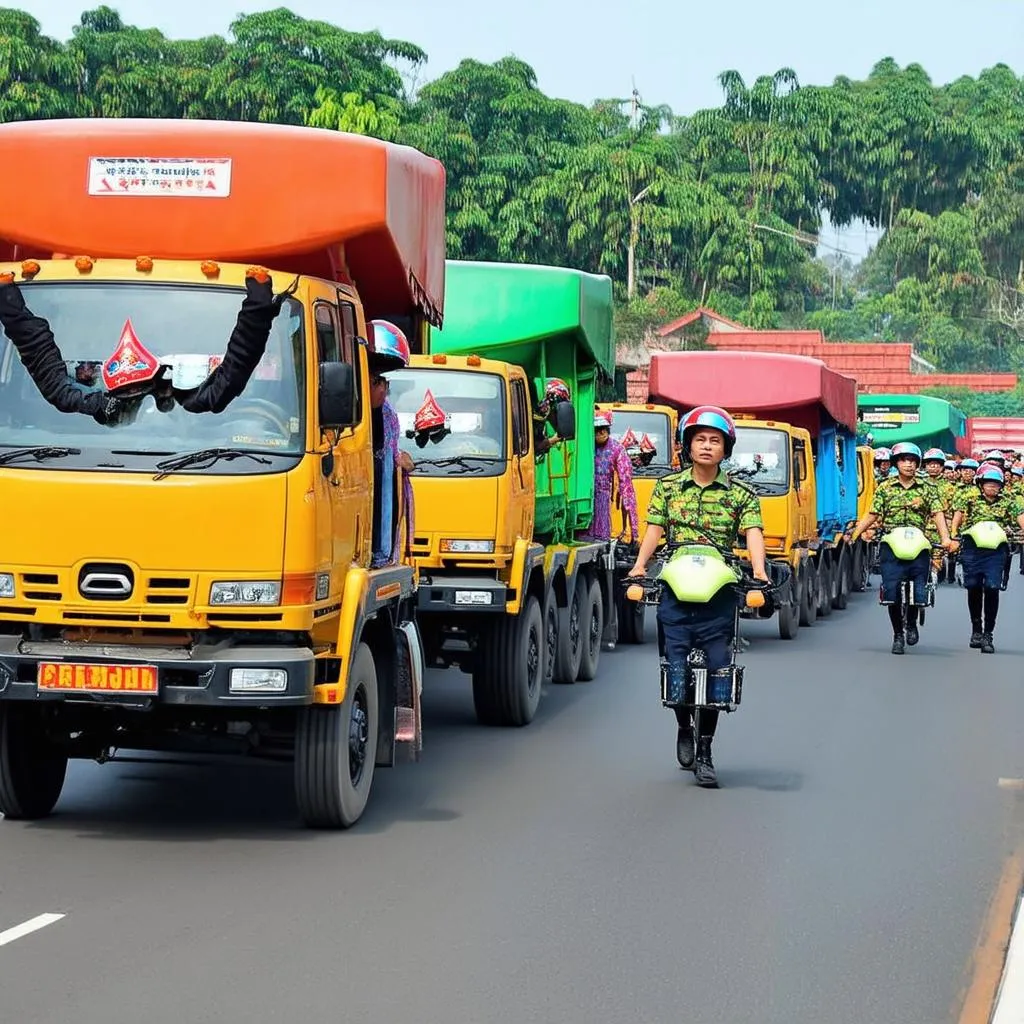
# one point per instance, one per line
(935, 466)
(905, 500)
(984, 571)
(701, 505)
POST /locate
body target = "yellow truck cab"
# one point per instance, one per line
(186, 450)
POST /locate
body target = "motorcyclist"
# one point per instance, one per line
(934, 461)
(983, 571)
(906, 500)
(702, 505)
(949, 471)
(967, 468)
(883, 463)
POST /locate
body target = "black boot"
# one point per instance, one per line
(912, 635)
(684, 745)
(976, 635)
(703, 768)
(898, 644)
(987, 647)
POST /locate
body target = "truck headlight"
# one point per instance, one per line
(467, 547)
(7, 584)
(251, 592)
(258, 680)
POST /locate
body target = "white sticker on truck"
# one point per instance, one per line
(200, 178)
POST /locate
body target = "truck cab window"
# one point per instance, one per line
(520, 418)
(326, 318)
(350, 344)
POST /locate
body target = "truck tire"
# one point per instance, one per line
(508, 680)
(858, 578)
(631, 620)
(809, 593)
(336, 750)
(592, 624)
(552, 621)
(789, 620)
(32, 766)
(826, 584)
(570, 636)
(842, 588)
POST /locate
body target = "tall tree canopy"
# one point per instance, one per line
(721, 207)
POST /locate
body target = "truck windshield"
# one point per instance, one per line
(761, 458)
(173, 322)
(469, 413)
(656, 426)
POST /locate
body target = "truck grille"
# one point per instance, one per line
(168, 590)
(40, 586)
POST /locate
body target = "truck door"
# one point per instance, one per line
(346, 492)
(522, 469)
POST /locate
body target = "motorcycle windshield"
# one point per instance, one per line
(696, 575)
(987, 535)
(907, 542)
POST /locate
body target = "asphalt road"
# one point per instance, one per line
(565, 872)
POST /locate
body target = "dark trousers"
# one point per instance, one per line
(985, 573)
(894, 573)
(683, 626)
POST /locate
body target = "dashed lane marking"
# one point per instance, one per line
(19, 931)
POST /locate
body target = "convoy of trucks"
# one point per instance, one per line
(187, 445)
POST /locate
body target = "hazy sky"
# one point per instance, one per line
(673, 49)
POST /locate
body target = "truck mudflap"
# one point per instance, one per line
(461, 593)
(209, 675)
(409, 691)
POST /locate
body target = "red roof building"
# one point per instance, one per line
(879, 368)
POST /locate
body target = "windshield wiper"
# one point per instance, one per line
(40, 453)
(460, 461)
(204, 458)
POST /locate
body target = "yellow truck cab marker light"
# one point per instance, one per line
(210, 268)
(439, 357)
(472, 360)
(6, 277)
(84, 264)
(29, 269)
(299, 588)
(144, 264)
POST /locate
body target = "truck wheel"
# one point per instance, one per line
(507, 682)
(32, 766)
(789, 616)
(858, 578)
(631, 620)
(336, 750)
(809, 593)
(570, 638)
(551, 624)
(593, 626)
(826, 584)
(842, 588)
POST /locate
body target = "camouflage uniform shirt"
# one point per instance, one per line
(948, 493)
(713, 515)
(897, 505)
(975, 509)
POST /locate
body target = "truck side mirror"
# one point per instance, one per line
(337, 395)
(565, 421)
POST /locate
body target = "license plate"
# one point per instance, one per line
(64, 676)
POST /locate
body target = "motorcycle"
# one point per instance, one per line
(696, 574)
(907, 543)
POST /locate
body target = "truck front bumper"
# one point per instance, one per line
(462, 594)
(206, 675)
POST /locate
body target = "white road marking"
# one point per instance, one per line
(1010, 998)
(28, 927)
